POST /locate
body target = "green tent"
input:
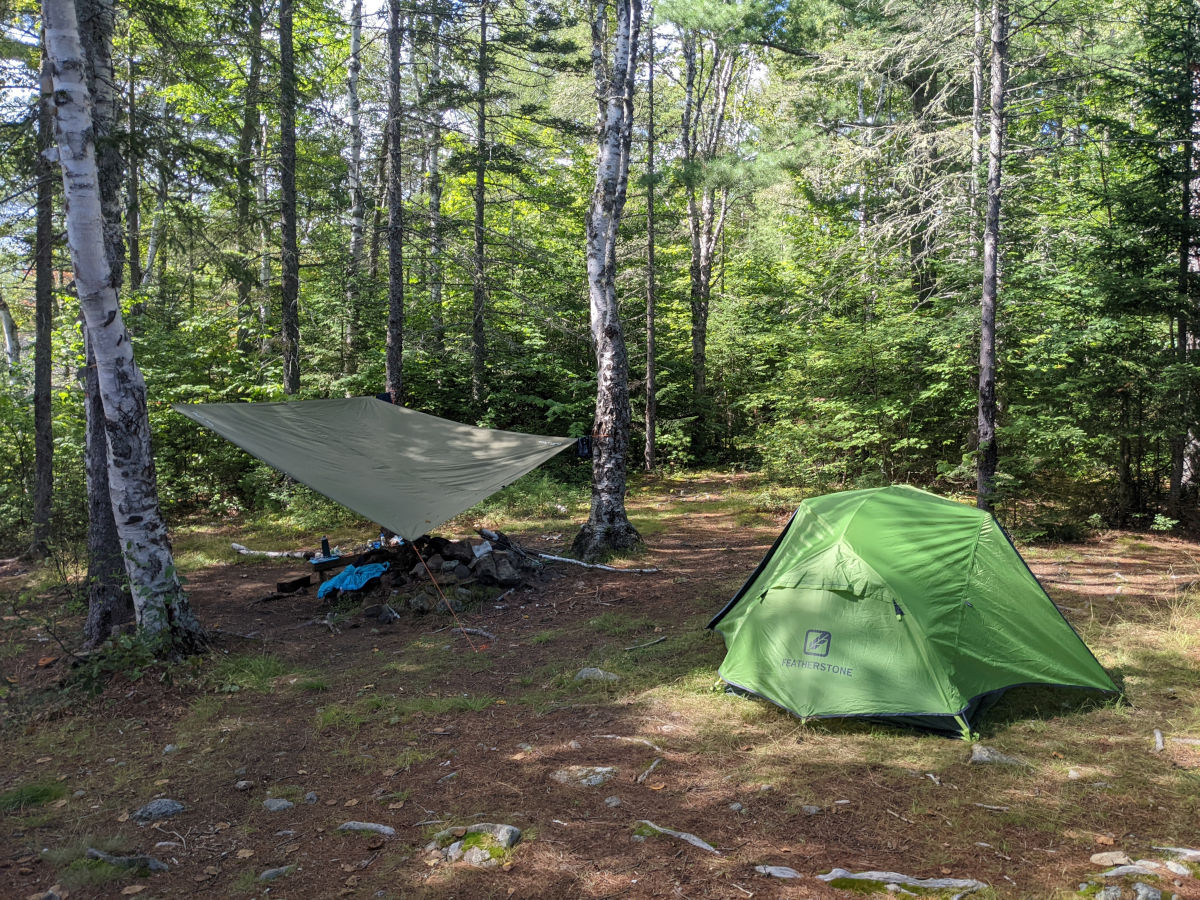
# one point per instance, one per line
(894, 603)
(404, 469)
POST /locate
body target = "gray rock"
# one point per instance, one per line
(170, 748)
(162, 808)
(454, 852)
(311, 797)
(593, 674)
(811, 810)
(167, 845)
(613, 801)
(1121, 871)
(1183, 854)
(272, 874)
(1112, 892)
(462, 572)
(128, 862)
(454, 603)
(985, 756)
(586, 776)
(421, 602)
(1142, 891)
(574, 745)
(446, 778)
(1111, 858)
(463, 595)
(244, 785)
(239, 772)
(638, 838)
(736, 807)
(1084, 885)
(373, 827)
(506, 573)
(930, 884)
(682, 835)
(1177, 868)
(506, 836)
(525, 748)
(777, 871)
(277, 804)
(480, 858)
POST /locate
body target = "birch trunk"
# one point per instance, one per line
(289, 253)
(43, 436)
(987, 454)
(12, 340)
(109, 602)
(160, 604)
(395, 228)
(354, 270)
(133, 184)
(156, 229)
(608, 528)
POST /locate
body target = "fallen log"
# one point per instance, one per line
(478, 632)
(274, 554)
(602, 568)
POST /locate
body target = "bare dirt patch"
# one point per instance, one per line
(419, 728)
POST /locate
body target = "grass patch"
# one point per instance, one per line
(620, 624)
(247, 672)
(312, 685)
(36, 793)
(543, 637)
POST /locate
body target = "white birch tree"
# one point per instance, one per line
(161, 606)
(608, 527)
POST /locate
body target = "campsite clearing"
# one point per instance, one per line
(403, 725)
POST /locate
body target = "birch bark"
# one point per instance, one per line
(161, 605)
(608, 528)
(12, 341)
(987, 454)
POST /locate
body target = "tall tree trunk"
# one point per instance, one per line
(433, 151)
(987, 454)
(157, 224)
(12, 340)
(395, 229)
(976, 132)
(478, 257)
(1183, 441)
(378, 202)
(290, 253)
(354, 270)
(608, 527)
(706, 100)
(159, 601)
(264, 240)
(247, 257)
(43, 434)
(109, 601)
(650, 451)
(133, 185)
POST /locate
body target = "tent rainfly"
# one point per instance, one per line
(404, 469)
(898, 605)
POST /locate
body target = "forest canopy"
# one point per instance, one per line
(799, 267)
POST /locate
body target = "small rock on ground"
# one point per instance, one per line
(128, 862)
(272, 874)
(587, 776)
(736, 807)
(1121, 871)
(929, 884)
(373, 827)
(162, 808)
(1111, 858)
(682, 835)
(811, 810)
(1112, 892)
(613, 801)
(479, 858)
(277, 804)
(777, 871)
(311, 797)
(593, 674)
(243, 785)
(1142, 891)
(982, 755)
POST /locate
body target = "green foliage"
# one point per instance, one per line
(124, 655)
(249, 672)
(35, 793)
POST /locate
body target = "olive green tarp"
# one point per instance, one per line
(892, 602)
(404, 469)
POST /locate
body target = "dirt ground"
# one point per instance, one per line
(419, 728)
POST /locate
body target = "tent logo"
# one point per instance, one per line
(816, 643)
